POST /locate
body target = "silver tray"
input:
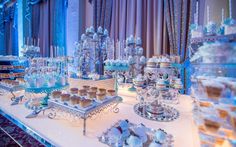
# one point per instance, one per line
(170, 113)
(104, 138)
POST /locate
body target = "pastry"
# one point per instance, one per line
(91, 94)
(111, 92)
(205, 104)
(233, 120)
(75, 99)
(211, 124)
(100, 96)
(56, 94)
(85, 102)
(101, 90)
(93, 89)
(82, 92)
(223, 111)
(86, 87)
(213, 89)
(74, 90)
(65, 97)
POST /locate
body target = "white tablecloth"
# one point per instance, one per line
(69, 134)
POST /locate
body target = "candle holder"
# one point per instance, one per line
(91, 52)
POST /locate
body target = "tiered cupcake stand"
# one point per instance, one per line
(77, 112)
(154, 101)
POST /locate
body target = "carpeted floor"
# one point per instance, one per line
(13, 136)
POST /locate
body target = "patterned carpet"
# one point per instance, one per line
(13, 136)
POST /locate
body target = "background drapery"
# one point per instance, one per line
(139, 18)
(49, 25)
(178, 17)
(8, 34)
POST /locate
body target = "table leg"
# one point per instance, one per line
(84, 128)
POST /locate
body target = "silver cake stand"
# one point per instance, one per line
(161, 112)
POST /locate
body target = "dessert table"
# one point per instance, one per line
(61, 132)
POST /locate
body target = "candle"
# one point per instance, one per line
(34, 41)
(208, 15)
(27, 41)
(222, 16)
(230, 8)
(38, 42)
(51, 51)
(197, 13)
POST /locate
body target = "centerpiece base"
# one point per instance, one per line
(156, 111)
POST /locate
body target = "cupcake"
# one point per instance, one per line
(111, 92)
(85, 102)
(74, 90)
(93, 89)
(56, 94)
(75, 99)
(91, 94)
(151, 62)
(65, 97)
(82, 92)
(100, 96)
(86, 87)
(102, 91)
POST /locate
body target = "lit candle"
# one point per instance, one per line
(208, 14)
(51, 51)
(27, 41)
(222, 16)
(197, 12)
(230, 8)
(38, 42)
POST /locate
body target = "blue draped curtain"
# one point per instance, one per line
(48, 23)
(8, 30)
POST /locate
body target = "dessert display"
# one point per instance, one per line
(125, 133)
(91, 52)
(12, 67)
(45, 72)
(83, 105)
(213, 77)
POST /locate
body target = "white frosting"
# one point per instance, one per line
(211, 83)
